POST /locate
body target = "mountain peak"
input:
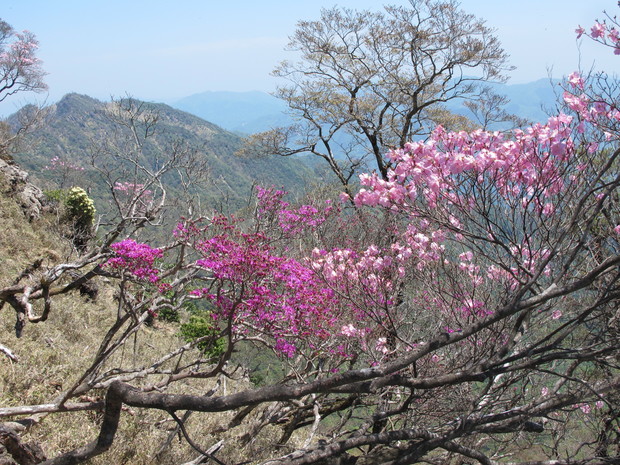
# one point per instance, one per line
(76, 102)
(77, 123)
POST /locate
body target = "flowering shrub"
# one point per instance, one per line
(56, 164)
(20, 68)
(80, 207)
(603, 33)
(134, 198)
(292, 221)
(261, 291)
(135, 258)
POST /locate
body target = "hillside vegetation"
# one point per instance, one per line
(54, 354)
(73, 132)
(457, 302)
(76, 127)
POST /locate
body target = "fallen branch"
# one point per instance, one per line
(209, 453)
(50, 408)
(9, 353)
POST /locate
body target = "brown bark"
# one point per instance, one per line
(22, 453)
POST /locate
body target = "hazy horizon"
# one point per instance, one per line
(147, 50)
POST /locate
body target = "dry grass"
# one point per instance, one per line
(20, 241)
(53, 354)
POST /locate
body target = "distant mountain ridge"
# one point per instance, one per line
(244, 112)
(533, 101)
(251, 112)
(206, 120)
(76, 120)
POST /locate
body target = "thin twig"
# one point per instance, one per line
(189, 440)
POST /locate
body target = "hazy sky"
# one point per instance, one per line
(164, 50)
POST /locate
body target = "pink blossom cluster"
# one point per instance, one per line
(131, 189)
(526, 262)
(262, 291)
(428, 186)
(56, 164)
(589, 109)
(474, 308)
(525, 169)
(431, 170)
(304, 218)
(23, 49)
(362, 272)
(191, 231)
(468, 266)
(603, 33)
(134, 197)
(452, 307)
(135, 258)
(587, 409)
(292, 221)
(19, 61)
(270, 199)
(372, 270)
(377, 269)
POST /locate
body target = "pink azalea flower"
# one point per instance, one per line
(381, 345)
(348, 330)
(548, 209)
(575, 80)
(579, 31)
(598, 30)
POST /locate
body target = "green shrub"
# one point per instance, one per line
(169, 314)
(201, 326)
(58, 196)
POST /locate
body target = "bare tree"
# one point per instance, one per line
(367, 82)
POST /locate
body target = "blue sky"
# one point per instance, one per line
(162, 50)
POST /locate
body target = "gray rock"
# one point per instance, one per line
(29, 196)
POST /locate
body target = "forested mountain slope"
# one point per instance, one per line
(61, 150)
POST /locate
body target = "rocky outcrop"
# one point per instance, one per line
(15, 183)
